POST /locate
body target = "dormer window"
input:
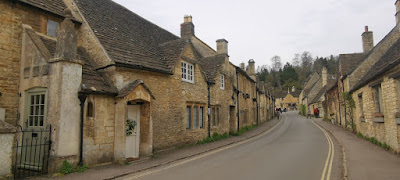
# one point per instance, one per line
(187, 72)
(52, 27)
(222, 82)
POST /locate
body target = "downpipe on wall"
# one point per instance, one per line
(82, 98)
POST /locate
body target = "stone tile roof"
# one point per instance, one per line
(331, 82)
(129, 39)
(389, 60)
(348, 62)
(92, 81)
(54, 6)
(128, 88)
(211, 66)
(296, 93)
(279, 94)
(172, 50)
(310, 83)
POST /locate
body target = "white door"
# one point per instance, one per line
(133, 140)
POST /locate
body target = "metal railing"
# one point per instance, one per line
(32, 152)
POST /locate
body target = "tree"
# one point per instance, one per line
(276, 63)
(262, 72)
(296, 60)
(288, 72)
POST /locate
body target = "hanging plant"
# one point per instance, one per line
(130, 126)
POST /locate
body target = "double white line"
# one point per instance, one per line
(326, 174)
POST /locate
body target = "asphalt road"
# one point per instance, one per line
(295, 150)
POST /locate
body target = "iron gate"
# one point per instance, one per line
(32, 152)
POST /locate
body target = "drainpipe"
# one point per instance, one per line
(237, 101)
(82, 98)
(257, 105)
(209, 110)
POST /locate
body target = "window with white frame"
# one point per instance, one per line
(52, 27)
(222, 81)
(187, 72)
(36, 108)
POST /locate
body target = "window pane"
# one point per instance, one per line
(52, 27)
(42, 99)
(188, 117)
(201, 117)
(36, 121)
(30, 121)
(32, 100)
(195, 118)
(31, 112)
(41, 120)
(42, 110)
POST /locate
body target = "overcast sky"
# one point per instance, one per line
(260, 29)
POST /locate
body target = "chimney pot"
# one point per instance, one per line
(367, 40)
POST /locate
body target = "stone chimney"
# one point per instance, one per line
(251, 69)
(397, 11)
(293, 89)
(66, 39)
(65, 83)
(222, 46)
(242, 66)
(324, 76)
(187, 28)
(367, 40)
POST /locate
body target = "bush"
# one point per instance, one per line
(66, 168)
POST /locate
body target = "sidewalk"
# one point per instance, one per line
(113, 170)
(364, 159)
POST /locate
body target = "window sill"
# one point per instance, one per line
(187, 81)
(362, 120)
(379, 120)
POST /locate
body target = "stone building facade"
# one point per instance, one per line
(115, 86)
(371, 79)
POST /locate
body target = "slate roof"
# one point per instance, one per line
(92, 81)
(129, 39)
(54, 6)
(331, 82)
(389, 60)
(348, 62)
(211, 66)
(310, 83)
(319, 94)
(172, 50)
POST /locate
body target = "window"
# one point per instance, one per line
(195, 117)
(201, 117)
(215, 116)
(222, 81)
(187, 72)
(52, 27)
(188, 117)
(361, 104)
(36, 111)
(378, 98)
(90, 109)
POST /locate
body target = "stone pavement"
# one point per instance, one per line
(364, 160)
(112, 171)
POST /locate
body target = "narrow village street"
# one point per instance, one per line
(295, 149)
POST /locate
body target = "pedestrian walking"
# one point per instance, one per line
(308, 114)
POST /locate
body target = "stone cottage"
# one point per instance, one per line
(114, 86)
